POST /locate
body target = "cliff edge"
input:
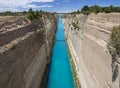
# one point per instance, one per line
(25, 48)
(87, 37)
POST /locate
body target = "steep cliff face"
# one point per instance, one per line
(25, 50)
(87, 37)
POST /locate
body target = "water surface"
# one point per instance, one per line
(60, 75)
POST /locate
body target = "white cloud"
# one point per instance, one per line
(35, 6)
(13, 5)
(8, 9)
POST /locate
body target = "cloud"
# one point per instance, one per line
(14, 5)
(8, 9)
(35, 6)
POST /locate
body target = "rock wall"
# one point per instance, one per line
(87, 37)
(24, 52)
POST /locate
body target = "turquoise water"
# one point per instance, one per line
(60, 75)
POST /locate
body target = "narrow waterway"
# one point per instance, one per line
(60, 75)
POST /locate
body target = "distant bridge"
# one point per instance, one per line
(62, 13)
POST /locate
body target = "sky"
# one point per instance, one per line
(52, 5)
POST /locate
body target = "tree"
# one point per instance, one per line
(112, 8)
(24, 12)
(85, 8)
(95, 9)
(37, 14)
(30, 10)
(32, 15)
(107, 10)
(78, 11)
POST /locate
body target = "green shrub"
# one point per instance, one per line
(34, 15)
(96, 9)
(114, 42)
(75, 25)
(30, 16)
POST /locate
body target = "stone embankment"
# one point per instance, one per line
(25, 48)
(87, 37)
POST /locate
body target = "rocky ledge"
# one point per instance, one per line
(25, 48)
(87, 37)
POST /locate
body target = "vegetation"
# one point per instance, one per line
(114, 43)
(32, 15)
(96, 9)
(75, 25)
(9, 13)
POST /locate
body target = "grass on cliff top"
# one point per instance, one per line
(114, 43)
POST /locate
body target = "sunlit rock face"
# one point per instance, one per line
(25, 49)
(88, 37)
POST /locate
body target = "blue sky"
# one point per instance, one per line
(52, 5)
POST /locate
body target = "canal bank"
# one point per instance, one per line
(73, 65)
(60, 74)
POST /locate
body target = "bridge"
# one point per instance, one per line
(61, 13)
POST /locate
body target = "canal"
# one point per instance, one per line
(60, 74)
